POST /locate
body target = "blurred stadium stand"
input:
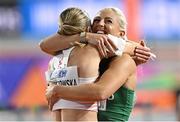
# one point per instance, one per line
(23, 23)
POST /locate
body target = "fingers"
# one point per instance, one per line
(142, 53)
(105, 46)
(141, 60)
(101, 49)
(110, 47)
(50, 102)
(142, 50)
(49, 96)
(51, 105)
(141, 56)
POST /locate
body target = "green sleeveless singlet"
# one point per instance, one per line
(118, 107)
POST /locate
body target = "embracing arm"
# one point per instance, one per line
(57, 42)
(116, 75)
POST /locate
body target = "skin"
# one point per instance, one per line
(84, 58)
(110, 81)
(57, 42)
(52, 44)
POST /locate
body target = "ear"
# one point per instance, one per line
(122, 33)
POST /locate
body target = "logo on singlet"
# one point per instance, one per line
(62, 73)
(65, 76)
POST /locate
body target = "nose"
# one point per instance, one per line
(101, 22)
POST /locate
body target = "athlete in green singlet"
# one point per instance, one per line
(119, 106)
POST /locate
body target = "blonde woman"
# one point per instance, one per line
(72, 61)
(119, 78)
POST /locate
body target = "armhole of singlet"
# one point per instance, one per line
(67, 53)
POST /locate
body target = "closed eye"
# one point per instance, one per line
(97, 19)
(109, 21)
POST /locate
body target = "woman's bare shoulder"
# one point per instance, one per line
(124, 61)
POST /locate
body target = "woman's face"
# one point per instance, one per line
(106, 22)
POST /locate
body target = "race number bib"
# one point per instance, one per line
(102, 105)
(65, 76)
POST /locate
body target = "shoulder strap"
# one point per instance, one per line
(66, 55)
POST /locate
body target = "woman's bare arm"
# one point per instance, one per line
(57, 42)
(113, 78)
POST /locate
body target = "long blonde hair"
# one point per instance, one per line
(73, 21)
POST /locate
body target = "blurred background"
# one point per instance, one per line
(24, 23)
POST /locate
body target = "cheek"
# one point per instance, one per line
(111, 30)
(108, 28)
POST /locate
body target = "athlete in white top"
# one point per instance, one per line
(81, 62)
(86, 61)
(61, 73)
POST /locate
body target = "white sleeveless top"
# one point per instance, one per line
(58, 63)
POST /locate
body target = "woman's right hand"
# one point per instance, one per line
(143, 53)
(103, 43)
(51, 95)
